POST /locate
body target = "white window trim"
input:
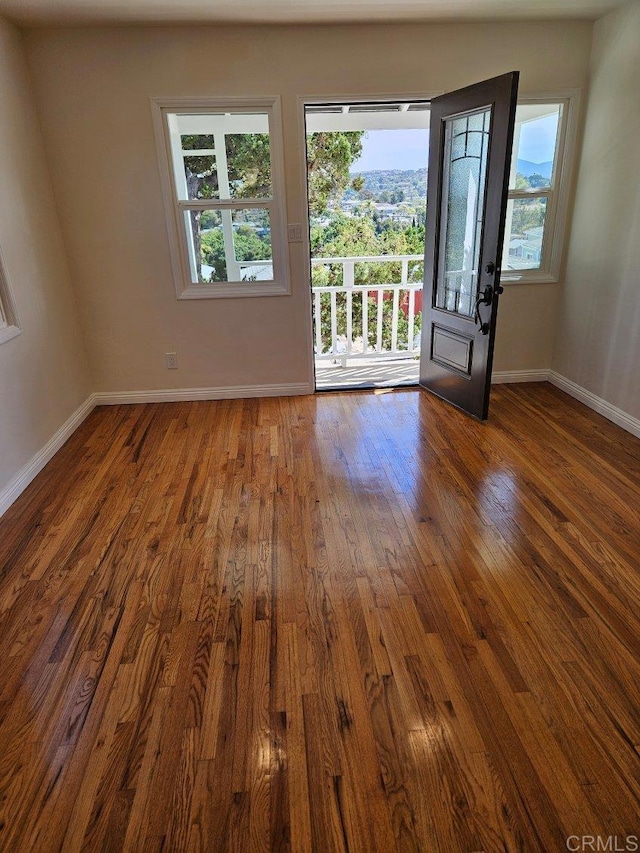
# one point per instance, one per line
(558, 196)
(9, 326)
(185, 289)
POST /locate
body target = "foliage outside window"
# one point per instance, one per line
(223, 190)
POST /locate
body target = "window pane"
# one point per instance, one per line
(221, 155)
(249, 165)
(201, 177)
(465, 159)
(229, 245)
(534, 145)
(195, 142)
(524, 233)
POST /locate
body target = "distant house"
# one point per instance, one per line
(526, 249)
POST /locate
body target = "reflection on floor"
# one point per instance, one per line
(328, 622)
(384, 374)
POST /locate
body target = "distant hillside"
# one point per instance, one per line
(527, 168)
(385, 184)
(389, 174)
(408, 186)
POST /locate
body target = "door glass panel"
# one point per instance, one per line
(464, 179)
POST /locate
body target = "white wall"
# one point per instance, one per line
(43, 372)
(598, 333)
(93, 88)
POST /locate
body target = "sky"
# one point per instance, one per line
(538, 139)
(393, 149)
(409, 149)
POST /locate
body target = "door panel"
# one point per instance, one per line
(470, 154)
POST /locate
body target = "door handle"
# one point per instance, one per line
(484, 298)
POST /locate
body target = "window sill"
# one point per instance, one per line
(234, 290)
(8, 332)
(528, 278)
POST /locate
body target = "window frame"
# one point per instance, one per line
(175, 207)
(9, 326)
(557, 195)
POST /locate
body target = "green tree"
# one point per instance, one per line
(249, 174)
(202, 183)
(352, 236)
(247, 244)
(329, 158)
(213, 254)
(249, 164)
(366, 233)
(527, 213)
(534, 181)
(537, 181)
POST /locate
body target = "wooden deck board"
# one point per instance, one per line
(362, 374)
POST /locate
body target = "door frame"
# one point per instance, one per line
(303, 101)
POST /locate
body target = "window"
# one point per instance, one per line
(8, 318)
(221, 165)
(537, 192)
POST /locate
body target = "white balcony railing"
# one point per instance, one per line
(334, 312)
(334, 335)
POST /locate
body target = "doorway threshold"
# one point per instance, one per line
(335, 377)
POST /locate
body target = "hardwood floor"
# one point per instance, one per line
(342, 622)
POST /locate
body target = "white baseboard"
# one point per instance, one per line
(607, 410)
(501, 377)
(612, 413)
(176, 395)
(28, 472)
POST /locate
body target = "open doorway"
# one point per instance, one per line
(366, 181)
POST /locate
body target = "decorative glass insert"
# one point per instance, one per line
(464, 181)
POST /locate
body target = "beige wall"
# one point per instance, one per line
(598, 334)
(93, 89)
(43, 372)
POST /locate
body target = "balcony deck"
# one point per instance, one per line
(369, 374)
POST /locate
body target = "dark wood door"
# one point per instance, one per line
(469, 159)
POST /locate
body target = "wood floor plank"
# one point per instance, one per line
(339, 622)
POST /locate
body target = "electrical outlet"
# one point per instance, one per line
(171, 359)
